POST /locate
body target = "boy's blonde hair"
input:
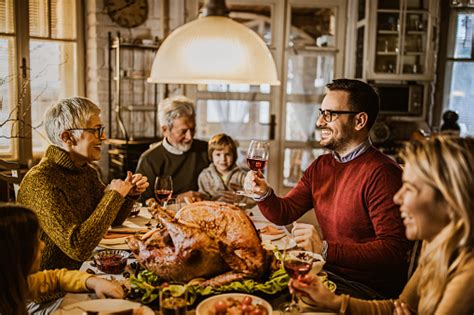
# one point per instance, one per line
(218, 142)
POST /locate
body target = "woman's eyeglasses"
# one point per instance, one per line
(328, 114)
(98, 132)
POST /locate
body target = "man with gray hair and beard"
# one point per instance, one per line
(178, 155)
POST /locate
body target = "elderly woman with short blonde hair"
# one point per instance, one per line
(73, 205)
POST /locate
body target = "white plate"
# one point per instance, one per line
(114, 241)
(104, 305)
(273, 237)
(281, 244)
(206, 306)
(118, 246)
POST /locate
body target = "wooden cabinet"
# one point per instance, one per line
(402, 40)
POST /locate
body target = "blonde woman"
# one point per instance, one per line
(437, 206)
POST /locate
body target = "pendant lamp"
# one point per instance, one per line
(214, 49)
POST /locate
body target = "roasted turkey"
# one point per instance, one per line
(211, 240)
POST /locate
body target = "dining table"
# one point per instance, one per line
(144, 221)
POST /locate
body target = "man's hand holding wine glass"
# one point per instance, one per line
(255, 184)
(257, 158)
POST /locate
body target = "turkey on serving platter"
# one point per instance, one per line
(212, 240)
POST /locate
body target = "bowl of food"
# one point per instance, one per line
(111, 261)
(234, 303)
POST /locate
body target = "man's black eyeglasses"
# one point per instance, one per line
(329, 114)
(98, 132)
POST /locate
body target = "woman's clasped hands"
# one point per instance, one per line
(133, 185)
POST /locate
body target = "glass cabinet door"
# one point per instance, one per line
(402, 44)
(313, 58)
(416, 16)
(387, 46)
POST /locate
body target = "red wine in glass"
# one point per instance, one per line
(296, 268)
(163, 189)
(163, 195)
(256, 164)
(297, 263)
(257, 155)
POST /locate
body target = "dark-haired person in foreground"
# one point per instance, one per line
(20, 280)
(351, 190)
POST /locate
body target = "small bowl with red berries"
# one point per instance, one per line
(234, 303)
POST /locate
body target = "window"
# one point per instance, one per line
(306, 38)
(459, 92)
(48, 44)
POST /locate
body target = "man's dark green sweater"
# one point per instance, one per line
(183, 168)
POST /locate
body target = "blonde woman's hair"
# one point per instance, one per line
(446, 164)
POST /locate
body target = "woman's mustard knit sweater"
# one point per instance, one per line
(72, 206)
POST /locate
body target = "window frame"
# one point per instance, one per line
(278, 97)
(450, 59)
(22, 147)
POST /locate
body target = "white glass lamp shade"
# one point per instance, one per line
(213, 50)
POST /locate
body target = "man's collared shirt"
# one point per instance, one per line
(357, 151)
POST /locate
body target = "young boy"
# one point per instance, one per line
(223, 176)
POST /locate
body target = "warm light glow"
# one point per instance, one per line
(208, 52)
(214, 50)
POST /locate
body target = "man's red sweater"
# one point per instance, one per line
(354, 206)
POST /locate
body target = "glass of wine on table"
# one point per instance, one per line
(297, 263)
(163, 189)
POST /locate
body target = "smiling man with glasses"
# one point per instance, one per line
(351, 190)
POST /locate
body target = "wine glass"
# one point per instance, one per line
(257, 155)
(163, 189)
(297, 263)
